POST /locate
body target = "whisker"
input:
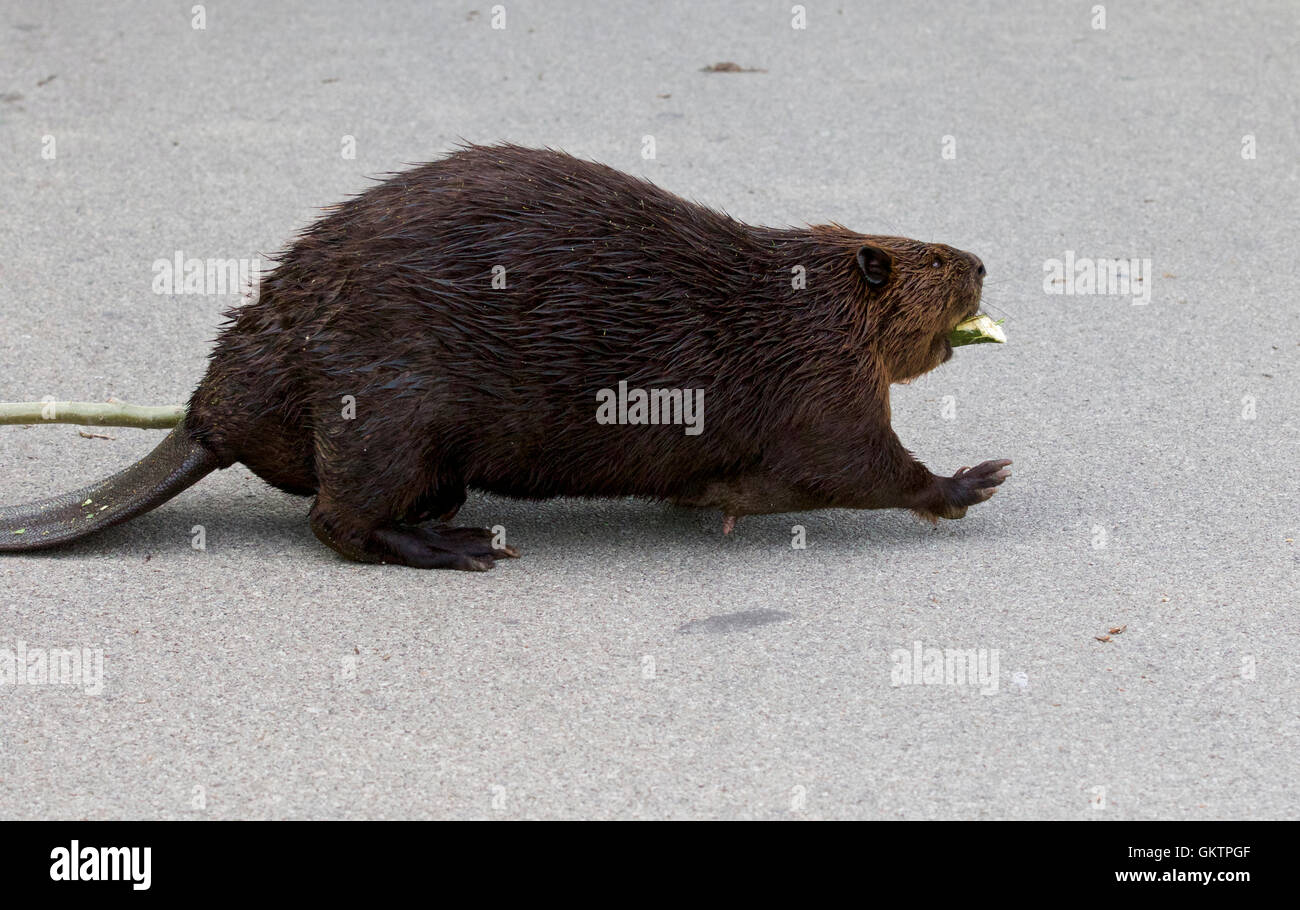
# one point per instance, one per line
(993, 309)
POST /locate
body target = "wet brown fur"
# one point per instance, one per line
(458, 385)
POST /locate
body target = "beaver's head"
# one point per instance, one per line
(916, 294)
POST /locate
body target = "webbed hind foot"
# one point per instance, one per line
(420, 546)
(440, 546)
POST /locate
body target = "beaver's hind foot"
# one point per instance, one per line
(420, 546)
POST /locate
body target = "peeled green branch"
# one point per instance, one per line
(92, 414)
(979, 329)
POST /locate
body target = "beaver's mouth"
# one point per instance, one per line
(969, 311)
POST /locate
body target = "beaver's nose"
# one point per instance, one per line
(979, 265)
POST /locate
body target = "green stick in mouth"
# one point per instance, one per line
(979, 329)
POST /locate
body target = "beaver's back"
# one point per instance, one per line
(486, 299)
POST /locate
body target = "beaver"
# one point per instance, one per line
(453, 327)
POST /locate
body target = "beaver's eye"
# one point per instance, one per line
(936, 263)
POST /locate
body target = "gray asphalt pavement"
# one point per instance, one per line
(635, 663)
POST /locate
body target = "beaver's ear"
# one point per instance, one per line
(875, 265)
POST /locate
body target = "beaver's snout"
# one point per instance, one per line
(975, 266)
(977, 273)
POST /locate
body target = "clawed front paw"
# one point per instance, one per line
(972, 485)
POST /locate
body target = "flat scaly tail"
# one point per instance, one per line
(175, 464)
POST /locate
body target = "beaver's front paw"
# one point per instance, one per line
(972, 485)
